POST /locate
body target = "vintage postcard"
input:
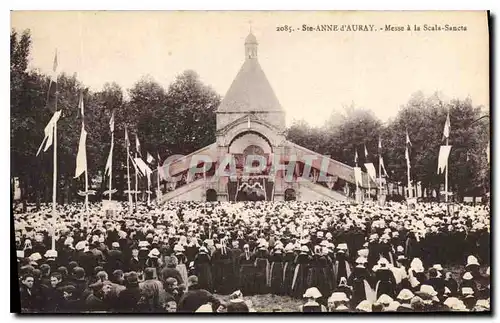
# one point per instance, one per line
(260, 161)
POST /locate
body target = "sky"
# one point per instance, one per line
(313, 73)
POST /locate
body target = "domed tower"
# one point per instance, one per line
(251, 46)
(250, 94)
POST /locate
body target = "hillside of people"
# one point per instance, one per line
(199, 257)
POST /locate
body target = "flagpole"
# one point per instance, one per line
(111, 166)
(380, 174)
(128, 175)
(357, 188)
(446, 178)
(54, 182)
(158, 179)
(408, 174)
(86, 186)
(369, 187)
(149, 188)
(136, 187)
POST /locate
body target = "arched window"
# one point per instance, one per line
(211, 195)
(290, 194)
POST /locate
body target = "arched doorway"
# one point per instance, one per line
(290, 194)
(211, 195)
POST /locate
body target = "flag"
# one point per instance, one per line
(407, 151)
(355, 156)
(446, 130)
(488, 152)
(135, 166)
(53, 77)
(127, 141)
(110, 158)
(383, 166)
(407, 157)
(49, 132)
(80, 105)
(112, 122)
(143, 167)
(149, 158)
(160, 169)
(137, 145)
(366, 153)
(81, 157)
(358, 176)
(408, 142)
(370, 169)
(444, 152)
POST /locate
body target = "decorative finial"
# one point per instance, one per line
(250, 25)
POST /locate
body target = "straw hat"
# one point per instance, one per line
(364, 306)
(154, 253)
(312, 292)
(471, 261)
(384, 299)
(338, 297)
(405, 295)
(50, 254)
(206, 308)
(178, 248)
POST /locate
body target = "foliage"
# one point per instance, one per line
(158, 116)
(424, 119)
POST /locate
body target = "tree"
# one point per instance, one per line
(189, 121)
(424, 118)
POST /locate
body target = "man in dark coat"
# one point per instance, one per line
(128, 299)
(29, 300)
(171, 271)
(247, 271)
(54, 294)
(195, 297)
(135, 264)
(114, 258)
(80, 283)
(203, 269)
(223, 271)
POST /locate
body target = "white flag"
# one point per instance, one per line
(81, 157)
(358, 176)
(488, 152)
(137, 145)
(143, 167)
(49, 132)
(110, 158)
(112, 122)
(370, 169)
(53, 77)
(407, 156)
(132, 160)
(383, 166)
(149, 158)
(444, 152)
(446, 130)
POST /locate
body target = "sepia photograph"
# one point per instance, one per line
(250, 162)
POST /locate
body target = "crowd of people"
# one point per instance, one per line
(183, 256)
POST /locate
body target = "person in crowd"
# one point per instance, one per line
(195, 297)
(311, 305)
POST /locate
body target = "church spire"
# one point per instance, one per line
(251, 46)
